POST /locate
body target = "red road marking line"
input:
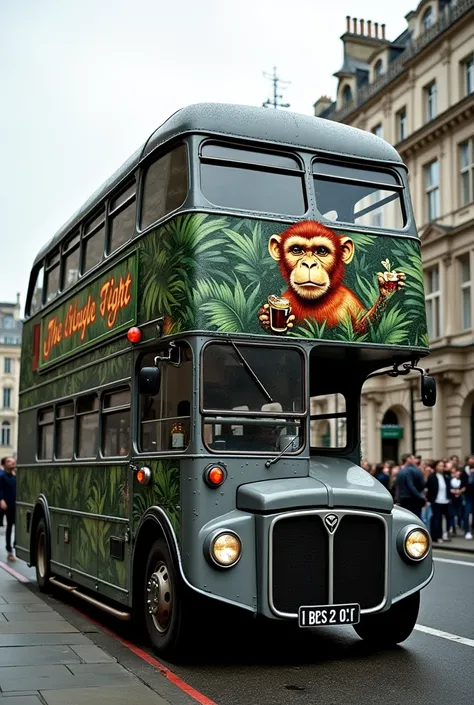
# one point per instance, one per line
(21, 578)
(172, 677)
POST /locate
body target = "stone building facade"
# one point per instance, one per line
(417, 92)
(10, 346)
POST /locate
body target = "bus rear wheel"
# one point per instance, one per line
(165, 610)
(42, 554)
(393, 626)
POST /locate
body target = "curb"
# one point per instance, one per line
(447, 546)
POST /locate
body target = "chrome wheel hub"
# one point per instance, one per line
(159, 597)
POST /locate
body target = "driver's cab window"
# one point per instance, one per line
(252, 398)
(328, 427)
(165, 419)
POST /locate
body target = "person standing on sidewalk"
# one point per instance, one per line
(8, 500)
(410, 485)
(2, 470)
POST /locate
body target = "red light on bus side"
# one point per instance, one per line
(134, 335)
(214, 476)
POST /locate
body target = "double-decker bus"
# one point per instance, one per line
(196, 340)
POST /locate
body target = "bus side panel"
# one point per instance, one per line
(163, 491)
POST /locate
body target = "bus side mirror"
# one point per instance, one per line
(428, 390)
(149, 381)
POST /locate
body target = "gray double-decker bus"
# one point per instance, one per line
(196, 340)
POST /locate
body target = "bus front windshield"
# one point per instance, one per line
(253, 397)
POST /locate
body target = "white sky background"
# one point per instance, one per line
(84, 82)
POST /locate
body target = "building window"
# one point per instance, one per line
(430, 100)
(346, 95)
(465, 271)
(402, 124)
(468, 73)
(6, 433)
(428, 19)
(378, 69)
(378, 130)
(7, 398)
(432, 190)
(467, 171)
(433, 301)
(8, 366)
(8, 321)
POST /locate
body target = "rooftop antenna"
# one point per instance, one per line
(276, 96)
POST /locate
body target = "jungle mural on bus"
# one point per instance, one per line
(238, 275)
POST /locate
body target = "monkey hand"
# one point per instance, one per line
(390, 283)
(264, 318)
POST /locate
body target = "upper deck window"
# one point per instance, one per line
(93, 242)
(251, 180)
(71, 261)
(52, 277)
(121, 217)
(34, 304)
(363, 196)
(165, 186)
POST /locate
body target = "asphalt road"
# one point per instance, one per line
(333, 666)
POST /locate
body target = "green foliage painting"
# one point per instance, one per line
(236, 275)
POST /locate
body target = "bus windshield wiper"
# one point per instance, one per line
(251, 372)
(277, 457)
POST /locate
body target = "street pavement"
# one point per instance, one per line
(55, 653)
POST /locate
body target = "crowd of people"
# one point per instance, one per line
(441, 492)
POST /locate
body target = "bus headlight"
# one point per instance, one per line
(416, 543)
(224, 548)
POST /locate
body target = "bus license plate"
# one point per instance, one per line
(327, 615)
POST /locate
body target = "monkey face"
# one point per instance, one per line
(310, 261)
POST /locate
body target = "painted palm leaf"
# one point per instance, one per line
(392, 328)
(228, 309)
(252, 249)
(309, 329)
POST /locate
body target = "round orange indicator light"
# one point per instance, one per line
(214, 476)
(144, 475)
(134, 335)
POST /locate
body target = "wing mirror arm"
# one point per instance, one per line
(428, 384)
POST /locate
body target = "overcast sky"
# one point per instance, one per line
(84, 82)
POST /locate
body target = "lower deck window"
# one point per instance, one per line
(46, 434)
(88, 426)
(116, 423)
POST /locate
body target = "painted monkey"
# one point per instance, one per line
(312, 260)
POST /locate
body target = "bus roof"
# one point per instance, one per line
(277, 127)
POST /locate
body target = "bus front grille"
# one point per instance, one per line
(311, 566)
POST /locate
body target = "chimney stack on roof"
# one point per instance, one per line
(363, 32)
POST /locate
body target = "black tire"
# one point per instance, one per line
(166, 604)
(390, 627)
(42, 556)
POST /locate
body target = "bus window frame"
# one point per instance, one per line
(112, 389)
(157, 349)
(85, 236)
(70, 244)
(57, 419)
(144, 165)
(369, 167)
(254, 166)
(52, 262)
(301, 416)
(112, 213)
(51, 406)
(80, 414)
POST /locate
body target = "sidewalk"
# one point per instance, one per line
(456, 544)
(45, 660)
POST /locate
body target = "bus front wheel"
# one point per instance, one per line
(164, 606)
(42, 556)
(390, 627)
